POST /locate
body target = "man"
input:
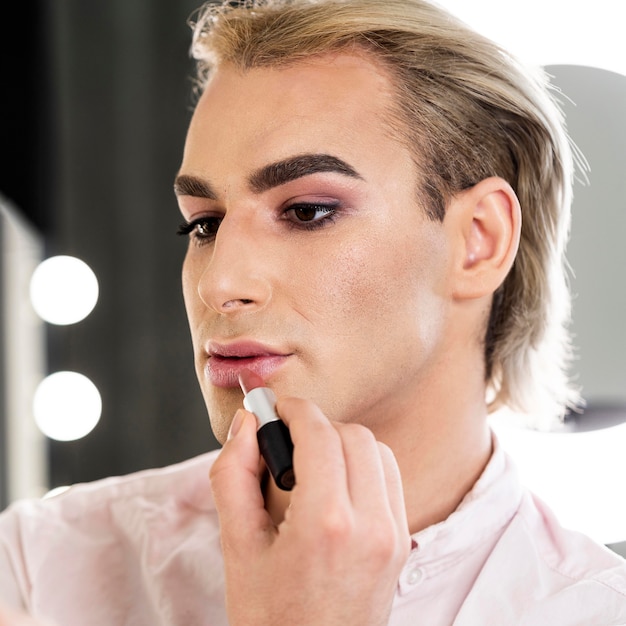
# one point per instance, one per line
(377, 203)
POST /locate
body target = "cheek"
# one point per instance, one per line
(193, 307)
(381, 316)
(388, 301)
(336, 292)
(349, 285)
(371, 284)
(191, 297)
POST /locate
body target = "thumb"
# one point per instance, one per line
(235, 482)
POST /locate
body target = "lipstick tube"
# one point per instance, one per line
(272, 433)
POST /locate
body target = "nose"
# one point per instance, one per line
(234, 279)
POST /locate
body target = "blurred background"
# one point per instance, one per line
(96, 97)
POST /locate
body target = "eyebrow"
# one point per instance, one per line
(193, 186)
(272, 175)
(276, 174)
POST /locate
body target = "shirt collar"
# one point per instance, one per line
(483, 513)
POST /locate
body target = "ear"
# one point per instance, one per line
(486, 224)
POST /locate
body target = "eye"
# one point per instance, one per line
(202, 229)
(311, 215)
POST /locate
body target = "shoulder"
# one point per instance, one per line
(568, 552)
(102, 524)
(126, 539)
(542, 573)
(186, 482)
(111, 505)
(571, 574)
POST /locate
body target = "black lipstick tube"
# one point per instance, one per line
(273, 436)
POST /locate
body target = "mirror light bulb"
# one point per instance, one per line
(66, 406)
(63, 290)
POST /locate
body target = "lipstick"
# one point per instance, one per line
(272, 433)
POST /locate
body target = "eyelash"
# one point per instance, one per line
(329, 211)
(191, 228)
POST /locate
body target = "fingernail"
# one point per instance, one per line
(235, 425)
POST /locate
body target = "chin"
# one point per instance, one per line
(219, 425)
(220, 432)
(221, 415)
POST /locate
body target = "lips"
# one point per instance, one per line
(226, 361)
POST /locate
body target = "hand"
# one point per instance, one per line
(336, 557)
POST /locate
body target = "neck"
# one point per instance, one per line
(439, 466)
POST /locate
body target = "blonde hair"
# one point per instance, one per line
(468, 111)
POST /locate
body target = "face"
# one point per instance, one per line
(310, 259)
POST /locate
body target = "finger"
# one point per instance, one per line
(236, 488)
(364, 469)
(395, 490)
(375, 486)
(373, 476)
(319, 463)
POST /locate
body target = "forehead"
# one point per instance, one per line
(340, 76)
(337, 104)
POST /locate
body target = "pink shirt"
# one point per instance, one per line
(144, 550)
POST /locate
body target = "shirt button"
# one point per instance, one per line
(415, 576)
